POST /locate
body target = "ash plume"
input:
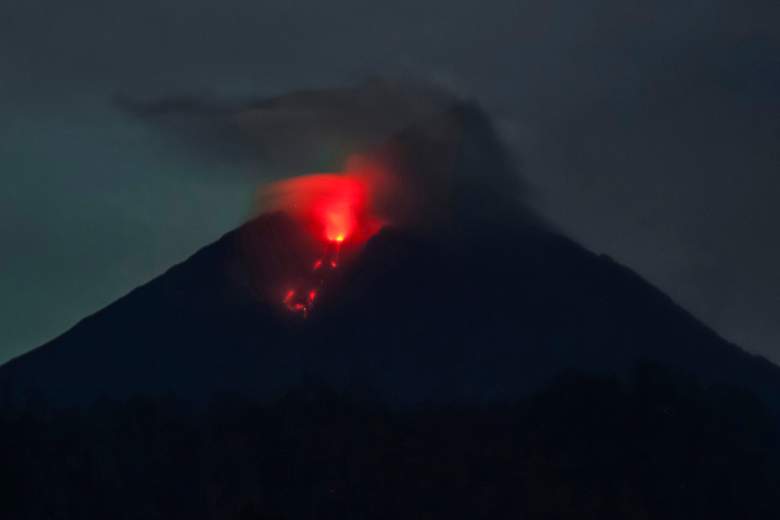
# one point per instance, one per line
(444, 163)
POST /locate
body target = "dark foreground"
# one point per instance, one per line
(657, 445)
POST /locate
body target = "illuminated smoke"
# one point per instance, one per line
(447, 178)
(337, 211)
(333, 207)
(416, 157)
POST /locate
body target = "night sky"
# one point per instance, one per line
(647, 132)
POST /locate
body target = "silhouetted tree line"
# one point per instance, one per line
(656, 446)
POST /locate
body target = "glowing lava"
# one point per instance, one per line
(295, 304)
(337, 209)
(302, 300)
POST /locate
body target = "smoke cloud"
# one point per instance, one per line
(433, 161)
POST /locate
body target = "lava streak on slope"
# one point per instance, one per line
(338, 212)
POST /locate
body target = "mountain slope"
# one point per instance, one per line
(412, 320)
(466, 298)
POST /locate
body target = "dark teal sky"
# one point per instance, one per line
(649, 133)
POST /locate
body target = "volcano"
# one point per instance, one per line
(464, 306)
(440, 353)
(412, 320)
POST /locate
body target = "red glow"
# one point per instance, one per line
(339, 211)
(335, 207)
(298, 305)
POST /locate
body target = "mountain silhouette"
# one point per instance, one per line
(476, 302)
(465, 361)
(412, 319)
